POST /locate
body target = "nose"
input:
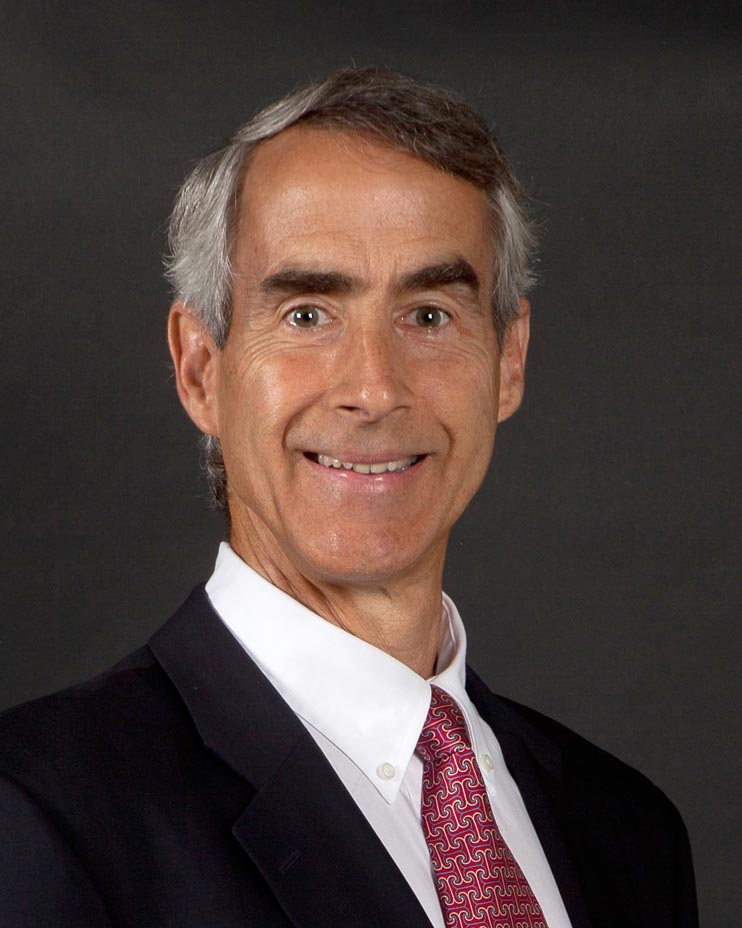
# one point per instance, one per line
(370, 375)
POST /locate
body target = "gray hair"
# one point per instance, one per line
(428, 122)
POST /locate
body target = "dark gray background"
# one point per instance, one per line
(596, 570)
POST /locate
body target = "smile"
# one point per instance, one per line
(380, 467)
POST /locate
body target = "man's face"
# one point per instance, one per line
(357, 395)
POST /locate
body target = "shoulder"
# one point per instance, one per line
(591, 776)
(71, 738)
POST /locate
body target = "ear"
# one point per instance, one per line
(513, 362)
(196, 362)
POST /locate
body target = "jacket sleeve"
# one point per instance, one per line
(42, 882)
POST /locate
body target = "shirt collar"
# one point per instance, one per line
(369, 705)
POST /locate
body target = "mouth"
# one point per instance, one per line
(366, 467)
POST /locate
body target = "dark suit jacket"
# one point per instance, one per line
(179, 789)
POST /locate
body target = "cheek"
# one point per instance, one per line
(261, 391)
(466, 390)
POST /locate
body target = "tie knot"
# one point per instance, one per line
(445, 727)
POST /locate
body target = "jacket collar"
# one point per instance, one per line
(535, 762)
(321, 858)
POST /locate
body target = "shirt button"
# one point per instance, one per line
(386, 771)
(486, 761)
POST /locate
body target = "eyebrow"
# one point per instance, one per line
(458, 271)
(304, 280)
(299, 280)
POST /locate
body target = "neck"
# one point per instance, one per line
(401, 617)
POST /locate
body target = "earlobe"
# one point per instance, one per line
(513, 362)
(195, 361)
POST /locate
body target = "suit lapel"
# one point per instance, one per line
(572, 824)
(319, 854)
(313, 846)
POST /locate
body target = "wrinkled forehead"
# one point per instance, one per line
(311, 192)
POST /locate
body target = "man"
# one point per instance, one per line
(301, 744)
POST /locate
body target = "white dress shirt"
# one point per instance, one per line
(365, 710)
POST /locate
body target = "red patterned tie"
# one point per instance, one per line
(480, 884)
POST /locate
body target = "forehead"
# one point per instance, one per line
(310, 191)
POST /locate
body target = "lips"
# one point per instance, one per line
(393, 465)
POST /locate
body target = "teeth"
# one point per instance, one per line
(326, 461)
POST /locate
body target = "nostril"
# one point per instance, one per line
(361, 410)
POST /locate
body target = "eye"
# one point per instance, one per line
(430, 317)
(306, 317)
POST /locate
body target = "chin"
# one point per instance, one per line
(364, 566)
